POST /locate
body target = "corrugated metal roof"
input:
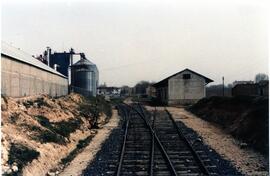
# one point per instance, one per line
(22, 56)
(83, 62)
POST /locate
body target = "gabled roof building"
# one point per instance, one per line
(184, 87)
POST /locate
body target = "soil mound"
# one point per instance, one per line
(244, 117)
(46, 129)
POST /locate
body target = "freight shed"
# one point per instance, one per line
(23, 75)
(184, 87)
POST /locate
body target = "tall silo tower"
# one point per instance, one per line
(84, 77)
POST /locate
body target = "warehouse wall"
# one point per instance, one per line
(162, 94)
(185, 91)
(21, 79)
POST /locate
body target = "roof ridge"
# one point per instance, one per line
(23, 56)
(208, 80)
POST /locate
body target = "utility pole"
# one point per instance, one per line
(223, 86)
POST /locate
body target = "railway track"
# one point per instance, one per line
(152, 143)
(156, 146)
(135, 153)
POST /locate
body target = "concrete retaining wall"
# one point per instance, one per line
(22, 79)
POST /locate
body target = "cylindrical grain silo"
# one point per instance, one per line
(84, 77)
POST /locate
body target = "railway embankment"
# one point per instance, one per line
(41, 132)
(244, 117)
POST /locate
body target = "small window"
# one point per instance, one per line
(186, 76)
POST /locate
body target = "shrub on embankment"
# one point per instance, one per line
(244, 117)
(93, 107)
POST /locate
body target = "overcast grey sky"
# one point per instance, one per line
(147, 40)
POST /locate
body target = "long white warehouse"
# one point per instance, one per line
(23, 75)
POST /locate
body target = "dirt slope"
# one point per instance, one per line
(38, 131)
(82, 160)
(245, 118)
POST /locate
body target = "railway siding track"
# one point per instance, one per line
(152, 143)
(185, 158)
(172, 155)
(135, 153)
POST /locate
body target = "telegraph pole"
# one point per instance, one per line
(223, 86)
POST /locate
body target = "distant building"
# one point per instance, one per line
(126, 91)
(110, 91)
(151, 91)
(242, 82)
(184, 87)
(252, 89)
(245, 89)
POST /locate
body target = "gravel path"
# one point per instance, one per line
(245, 160)
(83, 159)
(107, 156)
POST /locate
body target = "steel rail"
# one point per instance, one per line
(127, 117)
(152, 145)
(202, 167)
(163, 151)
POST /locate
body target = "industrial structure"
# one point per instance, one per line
(251, 89)
(51, 73)
(60, 60)
(184, 87)
(84, 77)
(24, 75)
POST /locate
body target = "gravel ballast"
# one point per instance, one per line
(107, 158)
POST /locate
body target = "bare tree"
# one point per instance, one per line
(124, 90)
(261, 76)
(217, 90)
(140, 87)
